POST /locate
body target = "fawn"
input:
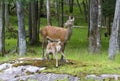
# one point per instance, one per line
(54, 48)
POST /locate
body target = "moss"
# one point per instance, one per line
(64, 79)
(29, 73)
(39, 63)
(23, 63)
(32, 80)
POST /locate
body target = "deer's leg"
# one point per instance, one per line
(62, 57)
(51, 56)
(55, 55)
(43, 47)
(46, 55)
(43, 50)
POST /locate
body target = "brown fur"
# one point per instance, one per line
(56, 33)
(54, 48)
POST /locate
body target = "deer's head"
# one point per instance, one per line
(69, 22)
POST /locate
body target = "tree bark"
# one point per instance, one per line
(38, 9)
(30, 22)
(62, 13)
(80, 9)
(71, 6)
(57, 12)
(21, 29)
(6, 15)
(108, 27)
(39, 16)
(2, 27)
(98, 38)
(95, 26)
(85, 11)
(114, 43)
(35, 34)
(48, 12)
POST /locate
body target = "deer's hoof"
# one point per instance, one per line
(67, 61)
(57, 66)
(43, 58)
(62, 60)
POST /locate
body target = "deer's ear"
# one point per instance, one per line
(73, 18)
(49, 41)
(59, 42)
(69, 17)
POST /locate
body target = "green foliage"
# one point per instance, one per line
(64, 79)
(108, 7)
(32, 80)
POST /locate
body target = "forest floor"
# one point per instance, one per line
(29, 69)
(81, 63)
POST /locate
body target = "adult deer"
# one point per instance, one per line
(57, 33)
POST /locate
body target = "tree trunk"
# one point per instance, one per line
(108, 29)
(38, 9)
(98, 36)
(34, 24)
(114, 44)
(62, 13)
(6, 15)
(88, 19)
(39, 15)
(85, 11)
(57, 12)
(21, 29)
(48, 12)
(35, 39)
(2, 27)
(93, 26)
(71, 6)
(80, 9)
(30, 22)
(41, 7)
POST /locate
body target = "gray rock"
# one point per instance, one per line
(48, 77)
(91, 76)
(102, 77)
(10, 74)
(32, 69)
(29, 72)
(5, 66)
(19, 73)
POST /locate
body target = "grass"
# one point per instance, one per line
(81, 62)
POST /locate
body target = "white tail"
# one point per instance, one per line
(57, 33)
